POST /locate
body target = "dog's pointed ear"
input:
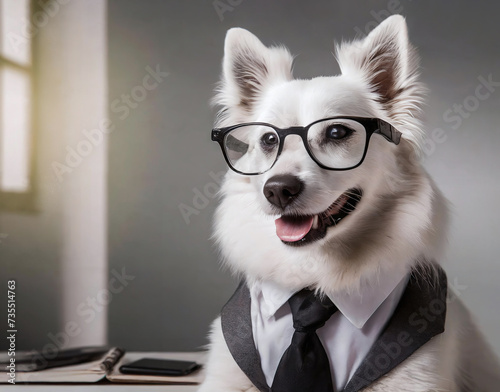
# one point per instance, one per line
(387, 61)
(249, 67)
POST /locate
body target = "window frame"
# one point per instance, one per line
(25, 201)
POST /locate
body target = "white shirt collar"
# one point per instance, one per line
(357, 307)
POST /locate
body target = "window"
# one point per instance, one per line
(16, 138)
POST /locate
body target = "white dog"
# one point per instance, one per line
(326, 192)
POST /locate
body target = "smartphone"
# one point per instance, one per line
(159, 367)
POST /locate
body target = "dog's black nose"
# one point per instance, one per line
(282, 189)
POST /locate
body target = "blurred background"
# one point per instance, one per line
(108, 174)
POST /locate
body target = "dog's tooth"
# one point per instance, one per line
(315, 222)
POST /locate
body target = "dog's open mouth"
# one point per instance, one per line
(299, 230)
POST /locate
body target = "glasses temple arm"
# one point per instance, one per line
(389, 132)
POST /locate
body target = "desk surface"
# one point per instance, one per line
(107, 387)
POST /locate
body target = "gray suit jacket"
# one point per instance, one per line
(419, 316)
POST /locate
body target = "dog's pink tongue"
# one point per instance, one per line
(291, 229)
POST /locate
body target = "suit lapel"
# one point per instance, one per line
(419, 316)
(237, 329)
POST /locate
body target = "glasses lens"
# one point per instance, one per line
(338, 143)
(252, 148)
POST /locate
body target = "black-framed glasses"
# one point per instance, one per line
(334, 143)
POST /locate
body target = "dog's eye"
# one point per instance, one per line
(337, 132)
(269, 139)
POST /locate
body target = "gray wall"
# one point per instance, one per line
(161, 150)
(56, 252)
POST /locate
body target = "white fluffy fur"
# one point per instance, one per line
(401, 219)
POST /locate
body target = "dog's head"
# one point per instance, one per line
(298, 222)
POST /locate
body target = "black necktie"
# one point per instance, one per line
(304, 367)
